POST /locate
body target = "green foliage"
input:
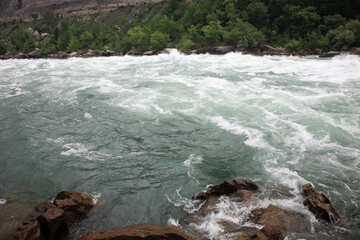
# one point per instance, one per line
(186, 44)
(340, 37)
(47, 47)
(159, 40)
(73, 46)
(138, 38)
(21, 40)
(2, 48)
(257, 14)
(212, 33)
(243, 34)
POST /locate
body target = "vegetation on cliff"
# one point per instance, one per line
(300, 26)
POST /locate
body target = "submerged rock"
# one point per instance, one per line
(319, 204)
(139, 231)
(227, 188)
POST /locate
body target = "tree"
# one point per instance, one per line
(213, 33)
(257, 14)
(2, 48)
(158, 40)
(73, 45)
(340, 37)
(47, 47)
(138, 38)
(243, 34)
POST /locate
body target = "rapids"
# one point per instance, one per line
(147, 133)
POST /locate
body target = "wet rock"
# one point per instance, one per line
(269, 50)
(53, 223)
(35, 53)
(268, 232)
(355, 50)
(149, 53)
(168, 50)
(73, 54)
(11, 215)
(222, 49)
(134, 52)
(285, 220)
(107, 53)
(46, 221)
(139, 231)
(319, 204)
(330, 54)
(227, 188)
(75, 204)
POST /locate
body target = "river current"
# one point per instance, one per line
(147, 133)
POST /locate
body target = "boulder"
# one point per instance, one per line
(285, 220)
(11, 215)
(35, 53)
(355, 50)
(268, 232)
(134, 52)
(73, 54)
(222, 49)
(148, 53)
(227, 188)
(75, 204)
(319, 204)
(46, 221)
(45, 35)
(168, 50)
(330, 54)
(139, 231)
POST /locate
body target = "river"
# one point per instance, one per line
(147, 133)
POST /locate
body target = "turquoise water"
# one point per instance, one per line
(147, 133)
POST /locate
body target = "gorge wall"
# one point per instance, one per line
(23, 9)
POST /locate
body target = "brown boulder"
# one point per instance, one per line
(268, 232)
(75, 204)
(355, 50)
(53, 223)
(227, 188)
(139, 231)
(285, 220)
(319, 204)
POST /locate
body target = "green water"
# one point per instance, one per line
(147, 133)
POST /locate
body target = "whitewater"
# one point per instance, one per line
(145, 134)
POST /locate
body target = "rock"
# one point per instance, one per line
(53, 223)
(269, 50)
(148, 53)
(318, 51)
(227, 188)
(268, 232)
(11, 215)
(46, 221)
(134, 52)
(139, 231)
(319, 204)
(29, 232)
(75, 204)
(168, 50)
(107, 53)
(355, 50)
(222, 49)
(35, 53)
(286, 221)
(344, 48)
(73, 54)
(330, 54)
(45, 35)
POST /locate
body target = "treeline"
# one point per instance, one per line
(301, 26)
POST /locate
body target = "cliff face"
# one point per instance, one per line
(23, 9)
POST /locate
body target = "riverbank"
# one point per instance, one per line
(218, 50)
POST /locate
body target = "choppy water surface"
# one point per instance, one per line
(147, 133)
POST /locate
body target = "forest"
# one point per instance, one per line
(301, 26)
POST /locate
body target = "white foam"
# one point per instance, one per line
(193, 159)
(88, 115)
(254, 137)
(173, 222)
(189, 206)
(96, 196)
(2, 201)
(80, 150)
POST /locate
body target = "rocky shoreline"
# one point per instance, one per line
(217, 50)
(51, 220)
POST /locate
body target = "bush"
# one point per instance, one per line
(186, 44)
(73, 45)
(158, 40)
(243, 34)
(47, 47)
